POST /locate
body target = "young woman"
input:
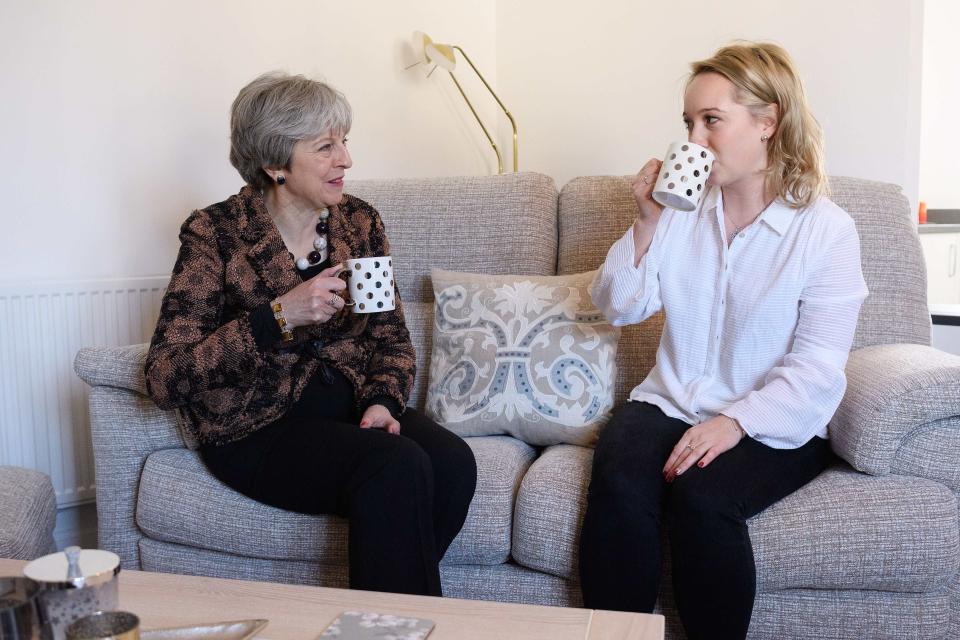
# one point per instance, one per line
(761, 288)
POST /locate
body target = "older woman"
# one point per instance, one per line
(761, 287)
(295, 401)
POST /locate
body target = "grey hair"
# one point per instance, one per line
(275, 111)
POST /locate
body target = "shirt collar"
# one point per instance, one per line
(777, 216)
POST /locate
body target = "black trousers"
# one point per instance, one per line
(705, 511)
(406, 496)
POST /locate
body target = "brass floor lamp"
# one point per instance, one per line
(442, 55)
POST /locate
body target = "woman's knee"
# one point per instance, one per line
(463, 464)
(695, 500)
(627, 458)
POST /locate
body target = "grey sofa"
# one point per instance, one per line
(870, 549)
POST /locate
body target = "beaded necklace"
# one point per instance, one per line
(320, 244)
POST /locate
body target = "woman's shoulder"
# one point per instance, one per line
(236, 212)
(827, 227)
(353, 204)
(828, 211)
(826, 214)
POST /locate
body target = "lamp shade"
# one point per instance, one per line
(440, 55)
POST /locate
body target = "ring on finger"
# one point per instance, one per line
(690, 446)
(646, 179)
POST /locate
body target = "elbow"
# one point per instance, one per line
(161, 387)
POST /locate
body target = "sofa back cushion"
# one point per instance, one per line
(595, 211)
(892, 260)
(482, 224)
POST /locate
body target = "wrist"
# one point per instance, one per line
(735, 426)
(286, 329)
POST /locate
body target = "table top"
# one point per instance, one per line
(300, 612)
(938, 227)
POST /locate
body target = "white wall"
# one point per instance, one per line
(114, 116)
(940, 135)
(597, 87)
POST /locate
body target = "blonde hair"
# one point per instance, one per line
(763, 74)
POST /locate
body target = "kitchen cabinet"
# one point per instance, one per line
(940, 250)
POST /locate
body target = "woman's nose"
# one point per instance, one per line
(696, 136)
(345, 160)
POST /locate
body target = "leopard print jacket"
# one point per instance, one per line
(203, 360)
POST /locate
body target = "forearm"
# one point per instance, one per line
(179, 372)
(643, 232)
(392, 367)
(625, 289)
(794, 404)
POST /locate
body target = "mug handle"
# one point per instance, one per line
(347, 302)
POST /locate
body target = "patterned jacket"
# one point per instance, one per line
(203, 359)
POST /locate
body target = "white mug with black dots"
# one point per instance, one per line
(683, 176)
(370, 282)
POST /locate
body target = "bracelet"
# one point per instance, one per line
(736, 426)
(285, 331)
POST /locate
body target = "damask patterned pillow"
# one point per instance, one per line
(528, 356)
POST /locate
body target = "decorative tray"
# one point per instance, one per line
(234, 630)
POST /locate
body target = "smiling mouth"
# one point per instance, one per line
(336, 181)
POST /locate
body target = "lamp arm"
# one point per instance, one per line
(480, 122)
(506, 111)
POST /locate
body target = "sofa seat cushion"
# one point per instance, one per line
(181, 502)
(844, 530)
(848, 530)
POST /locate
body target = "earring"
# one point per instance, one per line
(763, 138)
(281, 179)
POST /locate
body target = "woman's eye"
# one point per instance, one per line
(711, 119)
(345, 141)
(325, 147)
(687, 124)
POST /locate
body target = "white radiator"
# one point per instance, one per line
(44, 420)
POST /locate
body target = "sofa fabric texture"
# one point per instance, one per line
(28, 513)
(870, 549)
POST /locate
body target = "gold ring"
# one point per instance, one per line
(689, 446)
(646, 179)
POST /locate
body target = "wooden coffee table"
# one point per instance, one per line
(301, 612)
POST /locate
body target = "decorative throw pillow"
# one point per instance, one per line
(528, 356)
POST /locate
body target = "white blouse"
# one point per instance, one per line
(760, 330)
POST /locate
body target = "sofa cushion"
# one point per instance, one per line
(844, 530)
(848, 530)
(453, 222)
(181, 502)
(528, 356)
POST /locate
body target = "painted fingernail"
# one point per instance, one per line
(700, 464)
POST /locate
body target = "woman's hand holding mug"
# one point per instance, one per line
(650, 210)
(314, 301)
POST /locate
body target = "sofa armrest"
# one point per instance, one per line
(899, 397)
(126, 427)
(120, 367)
